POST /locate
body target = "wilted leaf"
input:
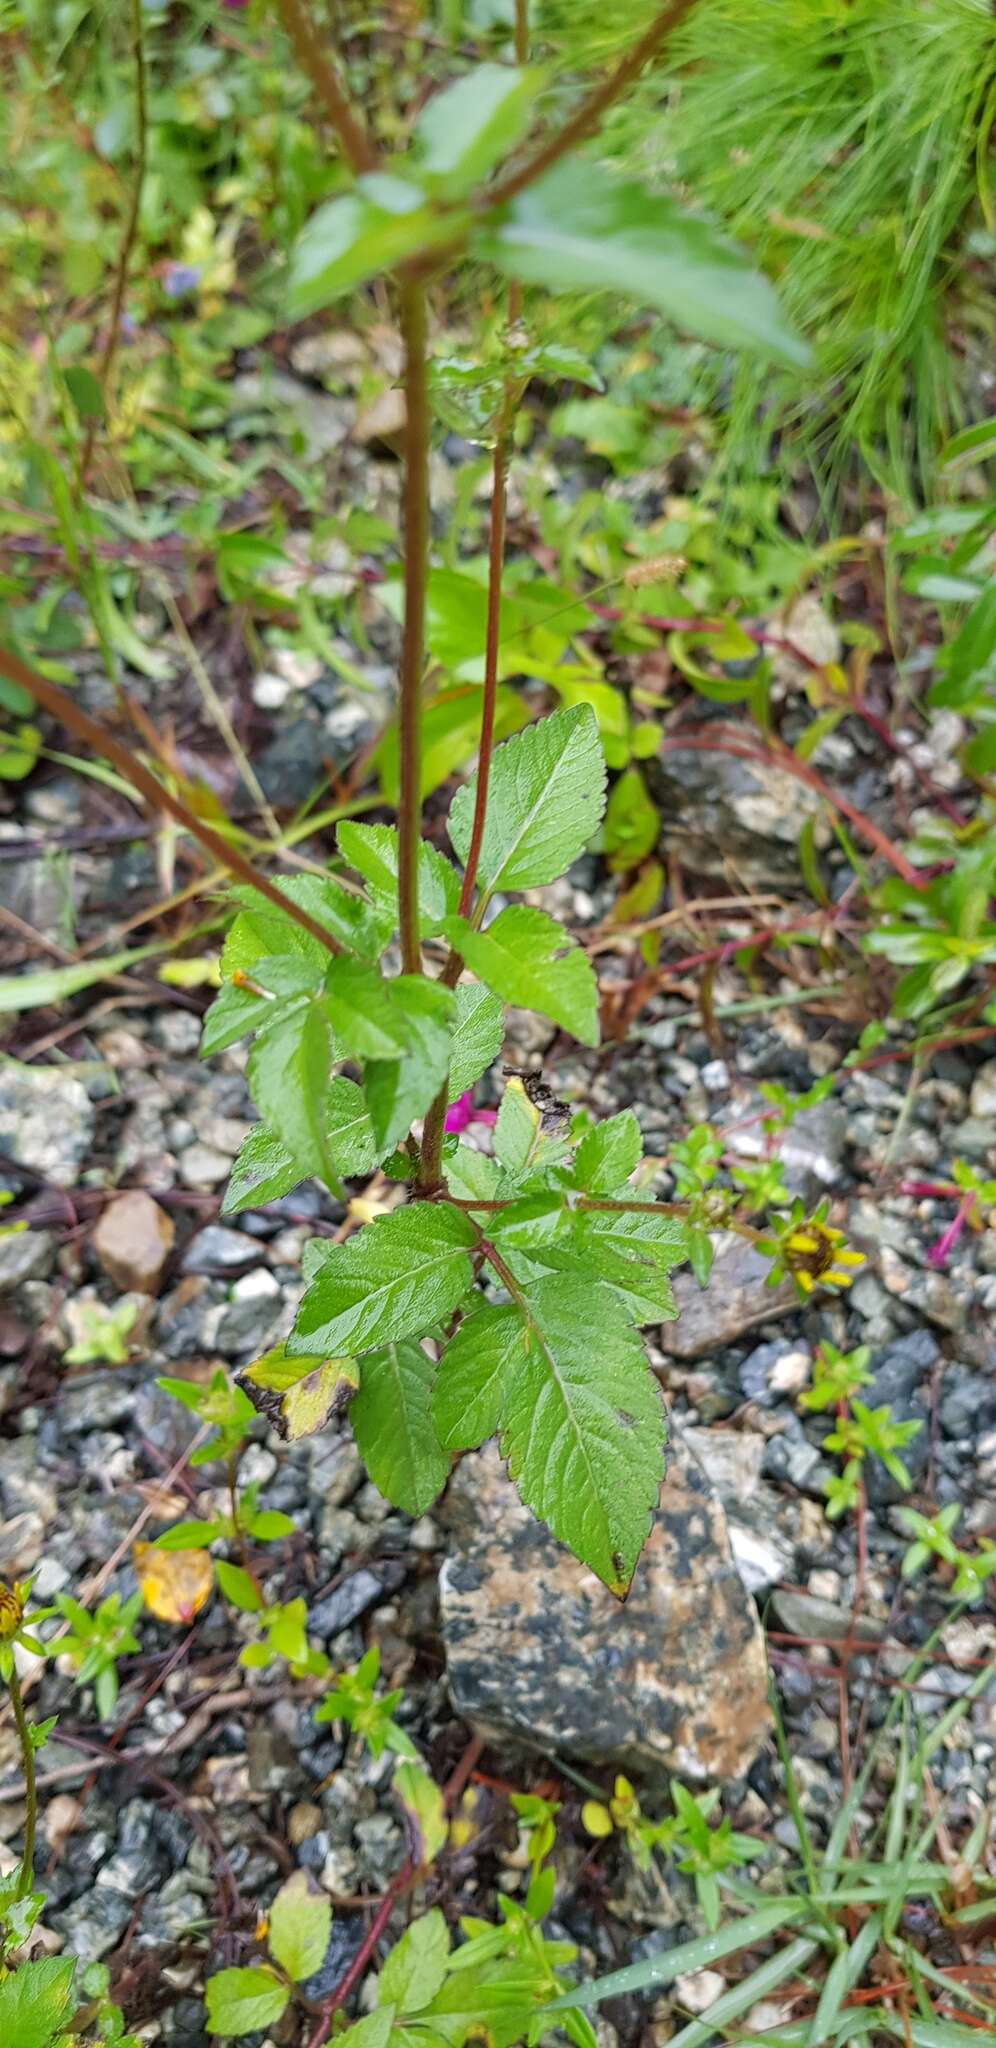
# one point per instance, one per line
(175, 1584)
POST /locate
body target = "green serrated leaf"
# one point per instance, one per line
(36, 2001)
(608, 1155)
(261, 929)
(516, 1131)
(243, 2001)
(288, 1076)
(373, 851)
(583, 1425)
(373, 2031)
(416, 1966)
(467, 126)
(546, 795)
(264, 1169)
(579, 228)
(526, 958)
(298, 1395)
(396, 1278)
(478, 1034)
(400, 1090)
(359, 1005)
(394, 1429)
(382, 223)
(474, 1373)
(300, 1922)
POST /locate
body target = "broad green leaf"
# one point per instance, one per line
(264, 1169)
(639, 1281)
(532, 1222)
(663, 1967)
(578, 228)
(474, 1374)
(394, 1430)
(373, 851)
(423, 1801)
(495, 2001)
(400, 1090)
(545, 797)
(300, 1922)
(373, 2031)
(470, 1175)
(516, 1131)
(536, 623)
(288, 1076)
(261, 929)
(235, 1012)
(36, 2001)
(465, 128)
(478, 1033)
(359, 1005)
(526, 958)
(372, 229)
(608, 1155)
(243, 2001)
(396, 1278)
(583, 1425)
(416, 1966)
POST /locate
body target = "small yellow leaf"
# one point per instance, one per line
(596, 1818)
(175, 1584)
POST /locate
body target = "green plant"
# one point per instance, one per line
(95, 1642)
(104, 1335)
(702, 1852)
(296, 1932)
(933, 1538)
(355, 1700)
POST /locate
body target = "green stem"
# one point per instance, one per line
(416, 539)
(128, 239)
(26, 1879)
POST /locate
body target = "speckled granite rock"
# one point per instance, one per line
(735, 1300)
(539, 1652)
(46, 1120)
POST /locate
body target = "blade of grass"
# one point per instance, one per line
(689, 1955)
(786, 1963)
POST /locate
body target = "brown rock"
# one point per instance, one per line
(734, 1301)
(539, 1652)
(133, 1241)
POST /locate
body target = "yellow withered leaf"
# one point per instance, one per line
(175, 1584)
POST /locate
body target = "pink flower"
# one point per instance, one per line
(462, 1112)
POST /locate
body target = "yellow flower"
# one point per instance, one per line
(11, 1610)
(817, 1255)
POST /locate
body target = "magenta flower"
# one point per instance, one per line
(462, 1112)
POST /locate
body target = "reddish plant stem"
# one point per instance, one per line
(128, 239)
(416, 538)
(103, 742)
(712, 739)
(588, 115)
(351, 1976)
(357, 147)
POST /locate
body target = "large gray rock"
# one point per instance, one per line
(735, 1300)
(539, 1652)
(46, 1120)
(718, 810)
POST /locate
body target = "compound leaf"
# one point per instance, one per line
(608, 1155)
(401, 1274)
(478, 1032)
(526, 958)
(583, 1425)
(474, 1373)
(394, 1430)
(373, 851)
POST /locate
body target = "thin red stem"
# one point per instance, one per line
(103, 742)
(416, 538)
(357, 147)
(588, 115)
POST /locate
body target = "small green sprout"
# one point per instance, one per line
(104, 1333)
(354, 1699)
(96, 1641)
